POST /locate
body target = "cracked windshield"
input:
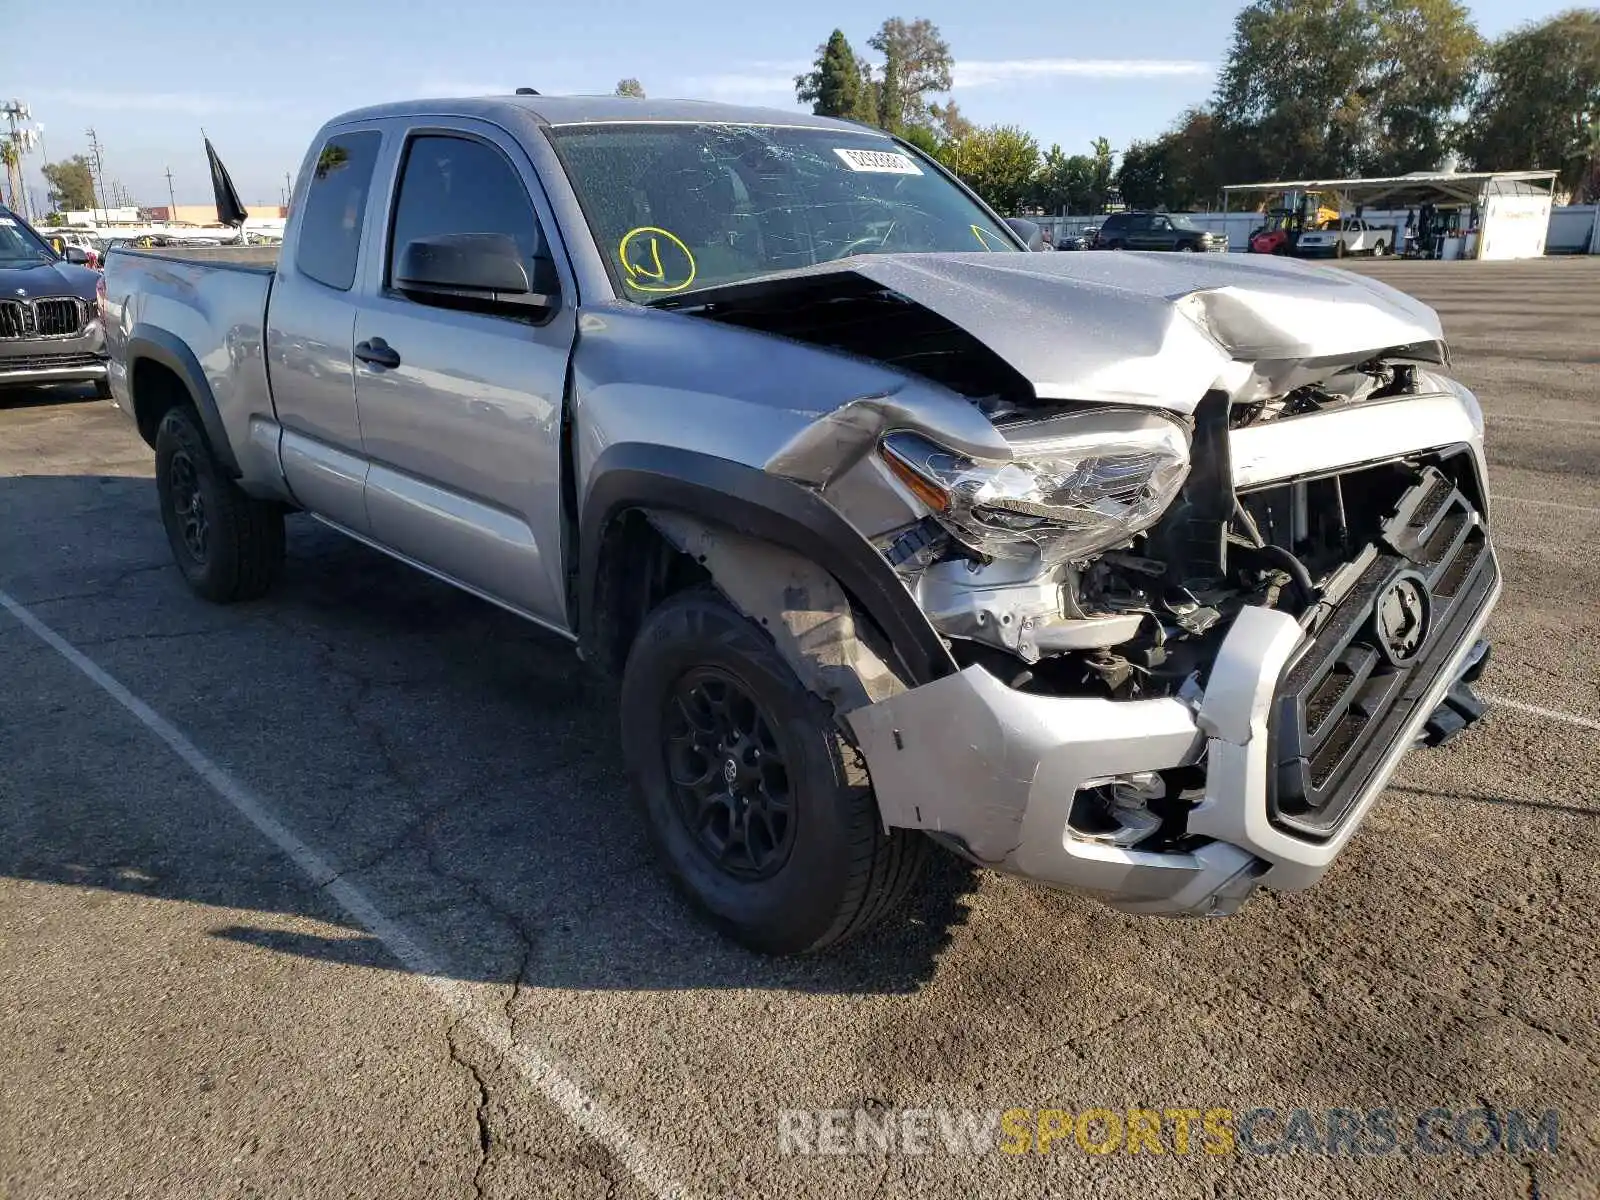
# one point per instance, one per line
(678, 208)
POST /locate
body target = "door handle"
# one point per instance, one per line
(378, 352)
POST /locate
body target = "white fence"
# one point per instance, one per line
(1570, 226)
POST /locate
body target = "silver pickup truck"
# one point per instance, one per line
(1132, 574)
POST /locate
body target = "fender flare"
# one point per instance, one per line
(746, 500)
(158, 345)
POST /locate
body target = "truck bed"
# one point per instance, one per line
(199, 312)
(261, 259)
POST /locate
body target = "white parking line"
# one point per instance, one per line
(1549, 714)
(546, 1075)
(1587, 508)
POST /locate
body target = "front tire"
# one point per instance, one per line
(228, 545)
(1379, 250)
(760, 810)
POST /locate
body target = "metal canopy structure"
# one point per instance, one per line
(1447, 214)
(1439, 188)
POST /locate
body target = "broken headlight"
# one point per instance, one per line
(1077, 485)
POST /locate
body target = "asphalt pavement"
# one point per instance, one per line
(340, 893)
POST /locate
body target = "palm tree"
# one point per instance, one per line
(13, 161)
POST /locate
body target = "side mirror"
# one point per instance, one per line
(1027, 231)
(477, 270)
(76, 255)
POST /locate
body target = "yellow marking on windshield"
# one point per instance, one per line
(983, 237)
(654, 269)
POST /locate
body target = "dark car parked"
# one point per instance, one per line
(50, 328)
(1156, 231)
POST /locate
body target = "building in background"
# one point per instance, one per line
(206, 214)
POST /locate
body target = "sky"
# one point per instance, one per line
(261, 78)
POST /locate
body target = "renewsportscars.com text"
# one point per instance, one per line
(1332, 1132)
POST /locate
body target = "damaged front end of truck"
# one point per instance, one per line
(1225, 560)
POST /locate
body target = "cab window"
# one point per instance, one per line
(460, 185)
(336, 208)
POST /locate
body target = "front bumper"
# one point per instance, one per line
(996, 772)
(45, 360)
(45, 372)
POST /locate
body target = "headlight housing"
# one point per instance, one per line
(1078, 485)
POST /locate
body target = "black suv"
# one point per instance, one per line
(1155, 231)
(49, 316)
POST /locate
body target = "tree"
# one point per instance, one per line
(1538, 103)
(1289, 83)
(834, 85)
(630, 87)
(71, 183)
(1182, 169)
(12, 161)
(999, 163)
(916, 61)
(948, 122)
(1343, 87)
(1064, 182)
(1100, 180)
(1142, 177)
(925, 139)
(867, 102)
(890, 100)
(1421, 75)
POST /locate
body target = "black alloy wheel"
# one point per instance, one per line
(189, 505)
(729, 780)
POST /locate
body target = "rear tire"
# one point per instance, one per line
(228, 545)
(1379, 250)
(801, 875)
(1119, 244)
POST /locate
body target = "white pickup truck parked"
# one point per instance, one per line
(1347, 236)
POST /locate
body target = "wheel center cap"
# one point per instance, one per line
(730, 770)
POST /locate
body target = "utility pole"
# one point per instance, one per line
(172, 199)
(20, 141)
(288, 189)
(99, 169)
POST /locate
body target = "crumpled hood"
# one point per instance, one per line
(47, 279)
(1152, 329)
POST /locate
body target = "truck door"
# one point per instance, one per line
(310, 319)
(461, 408)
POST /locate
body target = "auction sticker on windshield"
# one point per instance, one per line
(882, 162)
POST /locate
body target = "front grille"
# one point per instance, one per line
(42, 362)
(56, 316)
(1344, 699)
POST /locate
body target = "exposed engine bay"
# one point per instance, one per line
(1144, 618)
